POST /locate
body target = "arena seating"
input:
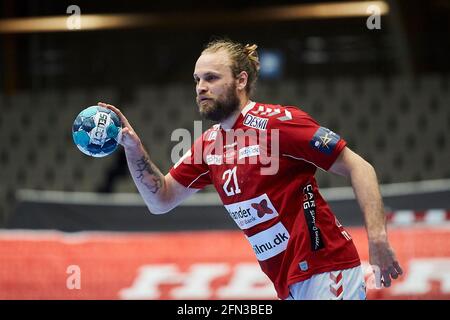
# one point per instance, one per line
(399, 124)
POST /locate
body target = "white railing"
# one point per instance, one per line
(212, 198)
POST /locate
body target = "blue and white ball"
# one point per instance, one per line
(96, 131)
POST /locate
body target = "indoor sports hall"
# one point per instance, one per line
(75, 227)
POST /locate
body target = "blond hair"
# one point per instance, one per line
(243, 58)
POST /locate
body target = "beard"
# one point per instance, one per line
(220, 109)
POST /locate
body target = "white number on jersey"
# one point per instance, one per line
(229, 190)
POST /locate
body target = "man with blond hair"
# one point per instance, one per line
(297, 240)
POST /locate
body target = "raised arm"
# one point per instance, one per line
(160, 193)
(366, 189)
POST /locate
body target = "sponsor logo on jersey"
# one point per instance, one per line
(303, 265)
(213, 159)
(255, 122)
(251, 212)
(270, 242)
(262, 208)
(249, 151)
(325, 140)
(309, 209)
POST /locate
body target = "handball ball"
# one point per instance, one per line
(96, 131)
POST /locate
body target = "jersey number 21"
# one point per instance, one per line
(228, 175)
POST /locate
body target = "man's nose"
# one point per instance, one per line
(201, 87)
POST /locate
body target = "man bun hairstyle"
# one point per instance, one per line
(243, 58)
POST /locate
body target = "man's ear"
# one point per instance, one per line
(242, 80)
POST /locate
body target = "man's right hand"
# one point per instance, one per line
(129, 139)
(160, 193)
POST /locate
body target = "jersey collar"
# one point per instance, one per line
(248, 107)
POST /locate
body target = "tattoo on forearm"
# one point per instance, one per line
(153, 181)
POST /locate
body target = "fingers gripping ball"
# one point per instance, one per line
(96, 131)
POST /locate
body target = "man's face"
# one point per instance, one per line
(215, 86)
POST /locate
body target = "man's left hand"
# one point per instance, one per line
(382, 256)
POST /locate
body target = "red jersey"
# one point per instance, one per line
(263, 169)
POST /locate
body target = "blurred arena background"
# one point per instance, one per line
(74, 227)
